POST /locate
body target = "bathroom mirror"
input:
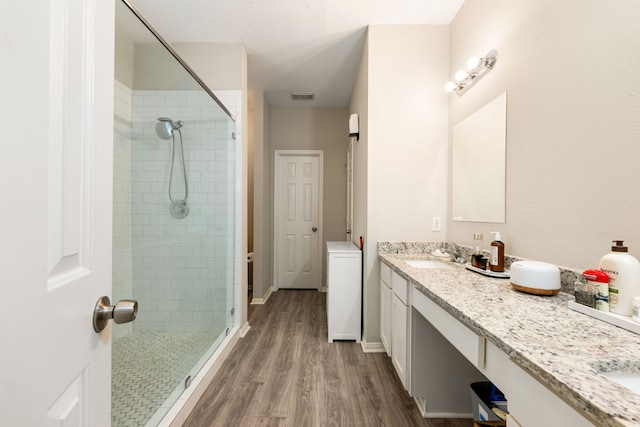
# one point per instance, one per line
(479, 164)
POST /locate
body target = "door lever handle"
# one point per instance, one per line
(124, 311)
(314, 229)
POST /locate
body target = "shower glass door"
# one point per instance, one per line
(174, 225)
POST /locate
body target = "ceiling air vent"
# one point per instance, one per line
(302, 96)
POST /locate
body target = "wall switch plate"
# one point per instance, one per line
(436, 225)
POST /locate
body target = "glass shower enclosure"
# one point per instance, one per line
(174, 217)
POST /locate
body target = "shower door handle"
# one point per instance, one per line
(124, 311)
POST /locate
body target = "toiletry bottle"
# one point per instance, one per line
(476, 255)
(497, 253)
(636, 310)
(584, 292)
(600, 282)
(624, 278)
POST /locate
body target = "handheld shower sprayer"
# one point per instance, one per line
(165, 129)
(166, 126)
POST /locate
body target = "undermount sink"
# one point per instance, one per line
(624, 373)
(630, 380)
(425, 263)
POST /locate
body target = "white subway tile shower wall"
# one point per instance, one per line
(182, 268)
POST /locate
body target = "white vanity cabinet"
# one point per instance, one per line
(400, 327)
(530, 402)
(385, 307)
(394, 320)
(448, 356)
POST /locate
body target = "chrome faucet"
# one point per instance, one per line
(456, 254)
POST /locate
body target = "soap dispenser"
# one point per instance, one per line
(496, 262)
(624, 278)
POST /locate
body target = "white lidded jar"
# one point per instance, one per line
(624, 278)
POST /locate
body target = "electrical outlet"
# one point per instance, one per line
(436, 226)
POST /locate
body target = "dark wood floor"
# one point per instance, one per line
(285, 373)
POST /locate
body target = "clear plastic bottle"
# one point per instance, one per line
(636, 310)
(624, 278)
(599, 280)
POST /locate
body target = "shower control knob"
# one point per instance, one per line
(124, 311)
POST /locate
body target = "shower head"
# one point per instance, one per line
(166, 126)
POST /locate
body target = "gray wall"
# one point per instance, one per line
(324, 129)
(262, 201)
(571, 72)
(400, 171)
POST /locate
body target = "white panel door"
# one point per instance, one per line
(57, 105)
(297, 219)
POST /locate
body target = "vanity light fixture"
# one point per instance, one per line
(476, 69)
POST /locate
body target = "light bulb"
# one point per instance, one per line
(461, 75)
(474, 62)
(450, 86)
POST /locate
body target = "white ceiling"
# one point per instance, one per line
(293, 45)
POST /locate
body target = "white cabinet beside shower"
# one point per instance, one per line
(344, 292)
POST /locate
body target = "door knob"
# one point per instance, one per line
(124, 311)
(314, 229)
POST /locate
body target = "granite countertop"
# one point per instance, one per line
(560, 347)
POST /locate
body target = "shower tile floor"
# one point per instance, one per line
(147, 367)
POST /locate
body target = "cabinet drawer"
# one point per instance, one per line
(385, 273)
(400, 287)
(462, 338)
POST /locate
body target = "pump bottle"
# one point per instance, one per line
(496, 262)
(624, 278)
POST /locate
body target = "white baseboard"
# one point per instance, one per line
(421, 404)
(258, 301)
(245, 328)
(372, 347)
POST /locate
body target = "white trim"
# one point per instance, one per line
(421, 403)
(372, 347)
(260, 301)
(276, 226)
(244, 330)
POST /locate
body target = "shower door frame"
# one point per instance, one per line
(239, 326)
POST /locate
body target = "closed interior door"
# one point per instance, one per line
(56, 225)
(297, 218)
